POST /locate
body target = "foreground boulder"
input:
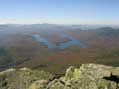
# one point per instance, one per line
(90, 76)
(90, 71)
(22, 78)
(87, 76)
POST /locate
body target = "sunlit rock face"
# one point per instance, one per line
(87, 76)
(90, 76)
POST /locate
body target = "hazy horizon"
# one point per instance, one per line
(102, 12)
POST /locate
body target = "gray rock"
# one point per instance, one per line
(22, 78)
(39, 84)
(57, 84)
(87, 76)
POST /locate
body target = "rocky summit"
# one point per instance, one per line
(87, 76)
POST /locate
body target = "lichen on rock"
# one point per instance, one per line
(72, 72)
(39, 84)
(22, 78)
(87, 76)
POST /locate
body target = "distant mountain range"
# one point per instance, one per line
(55, 27)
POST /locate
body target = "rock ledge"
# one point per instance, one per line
(87, 76)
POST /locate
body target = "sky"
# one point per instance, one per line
(59, 11)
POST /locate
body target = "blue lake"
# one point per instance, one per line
(61, 45)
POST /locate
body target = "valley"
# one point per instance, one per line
(56, 50)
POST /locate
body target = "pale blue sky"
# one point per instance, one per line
(59, 11)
